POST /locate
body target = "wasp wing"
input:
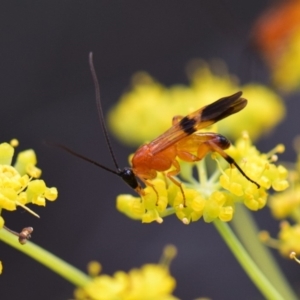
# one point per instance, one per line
(199, 119)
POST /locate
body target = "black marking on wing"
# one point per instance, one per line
(197, 120)
(187, 125)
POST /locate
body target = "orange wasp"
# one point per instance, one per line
(182, 141)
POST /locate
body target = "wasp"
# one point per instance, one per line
(182, 141)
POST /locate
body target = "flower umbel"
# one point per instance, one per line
(147, 110)
(19, 185)
(152, 281)
(212, 197)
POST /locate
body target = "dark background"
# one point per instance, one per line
(46, 92)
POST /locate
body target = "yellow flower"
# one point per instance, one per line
(211, 198)
(150, 282)
(287, 204)
(255, 165)
(1, 267)
(289, 239)
(146, 111)
(284, 204)
(150, 208)
(264, 111)
(18, 185)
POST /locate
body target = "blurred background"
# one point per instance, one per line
(47, 94)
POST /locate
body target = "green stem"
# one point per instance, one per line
(247, 231)
(258, 278)
(46, 258)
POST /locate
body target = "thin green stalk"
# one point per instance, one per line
(247, 231)
(46, 258)
(167, 212)
(258, 278)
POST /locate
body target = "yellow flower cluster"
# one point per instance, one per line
(213, 197)
(19, 184)
(289, 239)
(146, 111)
(286, 205)
(152, 281)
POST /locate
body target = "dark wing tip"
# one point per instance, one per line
(236, 95)
(224, 107)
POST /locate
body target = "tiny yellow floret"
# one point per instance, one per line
(6, 154)
(26, 160)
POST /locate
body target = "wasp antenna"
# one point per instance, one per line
(82, 157)
(100, 110)
(244, 174)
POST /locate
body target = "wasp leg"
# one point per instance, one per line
(174, 173)
(187, 156)
(148, 183)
